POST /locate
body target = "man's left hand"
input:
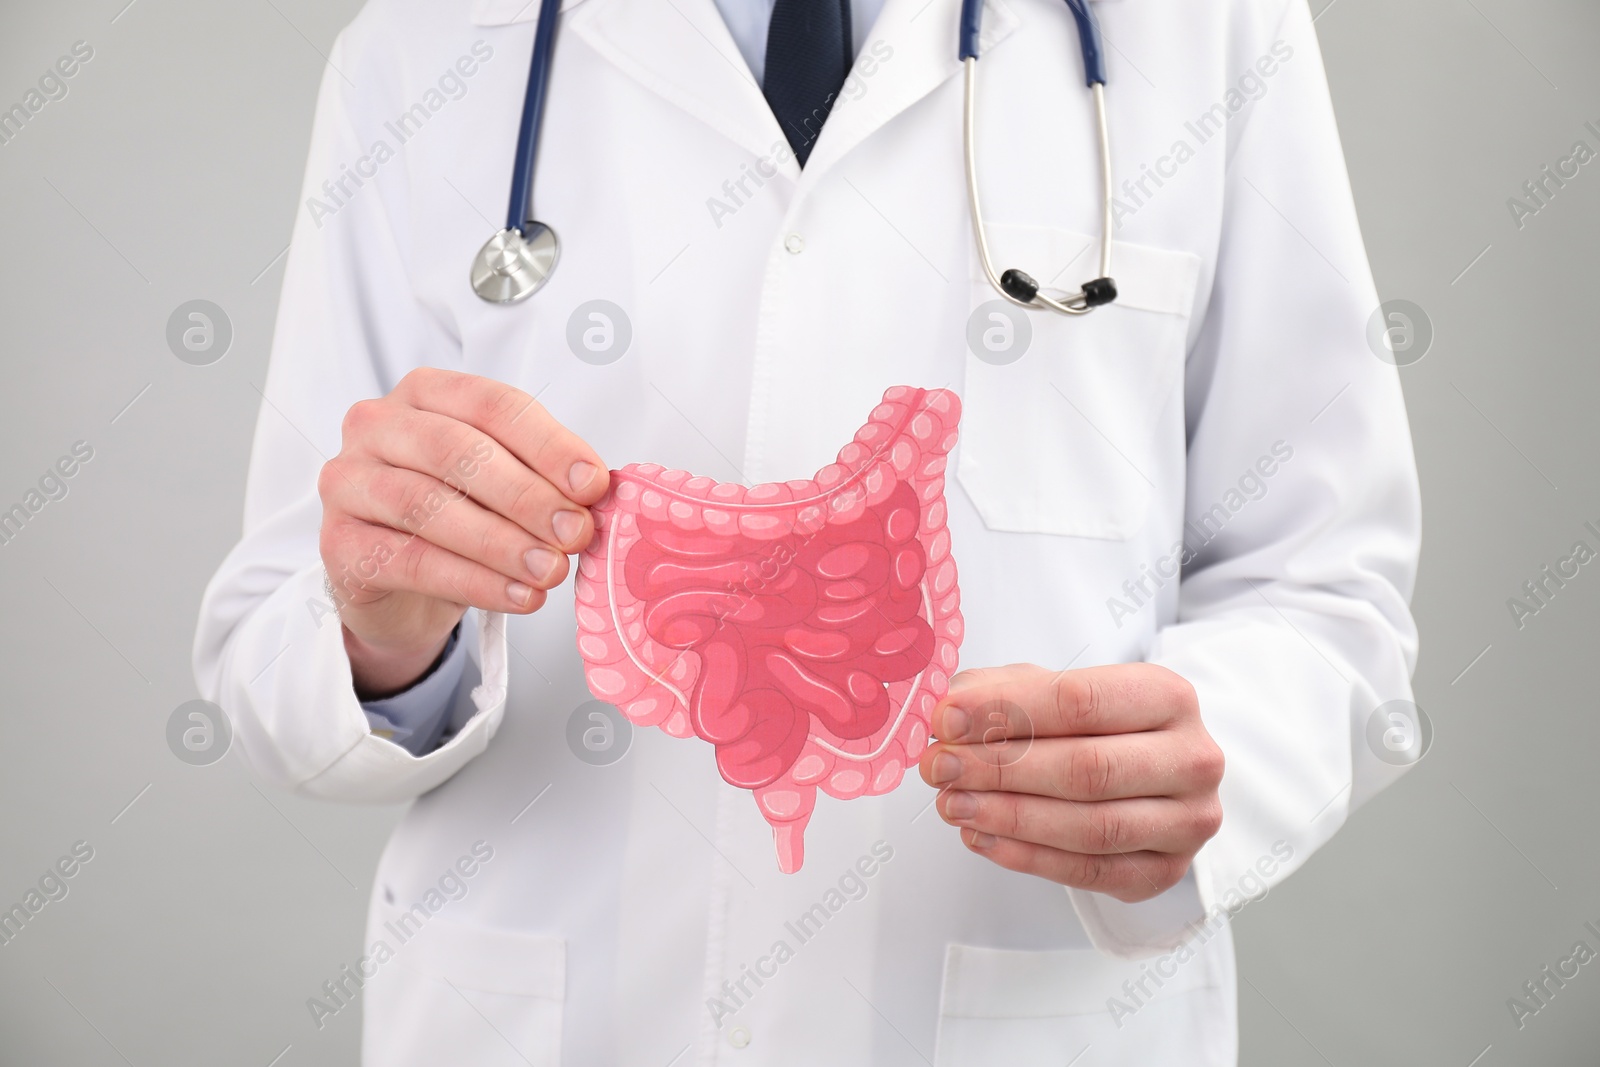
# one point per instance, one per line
(1102, 779)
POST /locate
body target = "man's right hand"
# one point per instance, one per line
(453, 491)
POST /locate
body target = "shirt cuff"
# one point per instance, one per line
(415, 718)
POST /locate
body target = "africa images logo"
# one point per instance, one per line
(340, 189)
(1250, 86)
(342, 990)
(52, 86)
(851, 886)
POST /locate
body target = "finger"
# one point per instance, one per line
(517, 421)
(1128, 876)
(1150, 764)
(1145, 824)
(377, 560)
(423, 506)
(1024, 700)
(460, 456)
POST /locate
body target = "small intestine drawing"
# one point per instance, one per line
(806, 629)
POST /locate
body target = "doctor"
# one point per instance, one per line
(1187, 522)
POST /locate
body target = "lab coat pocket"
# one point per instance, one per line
(1059, 430)
(1008, 1008)
(462, 993)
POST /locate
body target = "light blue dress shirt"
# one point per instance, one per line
(415, 718)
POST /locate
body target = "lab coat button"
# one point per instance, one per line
(739, 1036)
(794, 243)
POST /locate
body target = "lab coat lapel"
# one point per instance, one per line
(680, 50)
(922, 36)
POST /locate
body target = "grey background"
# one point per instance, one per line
(212, 910)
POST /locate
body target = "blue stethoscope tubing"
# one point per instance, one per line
(518, 259)
(1015, 285)
(1089, 40)
(520, 212)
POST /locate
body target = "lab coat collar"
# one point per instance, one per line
(665, 46)
(923, 39)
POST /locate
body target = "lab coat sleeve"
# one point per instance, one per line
(269, 648)
(1293, 622)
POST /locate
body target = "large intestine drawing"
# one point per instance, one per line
(806, 629)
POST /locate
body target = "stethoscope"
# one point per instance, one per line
(1015, 285)
(518, 260)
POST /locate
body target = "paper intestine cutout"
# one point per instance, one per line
(806, 629)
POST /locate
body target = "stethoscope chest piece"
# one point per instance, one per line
(512, 266)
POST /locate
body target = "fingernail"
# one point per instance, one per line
(956, 724)
(542, 562)
(960, 805)
(520, 594)
(568, 525)
(963, 680)
(946, 768)
(983, 840)
(581, 474)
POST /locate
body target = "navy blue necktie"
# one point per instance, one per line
(808, 56)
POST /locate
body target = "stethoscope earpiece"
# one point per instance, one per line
(1019, 285)
(1098, 292)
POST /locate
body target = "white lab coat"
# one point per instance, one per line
(614, 907)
